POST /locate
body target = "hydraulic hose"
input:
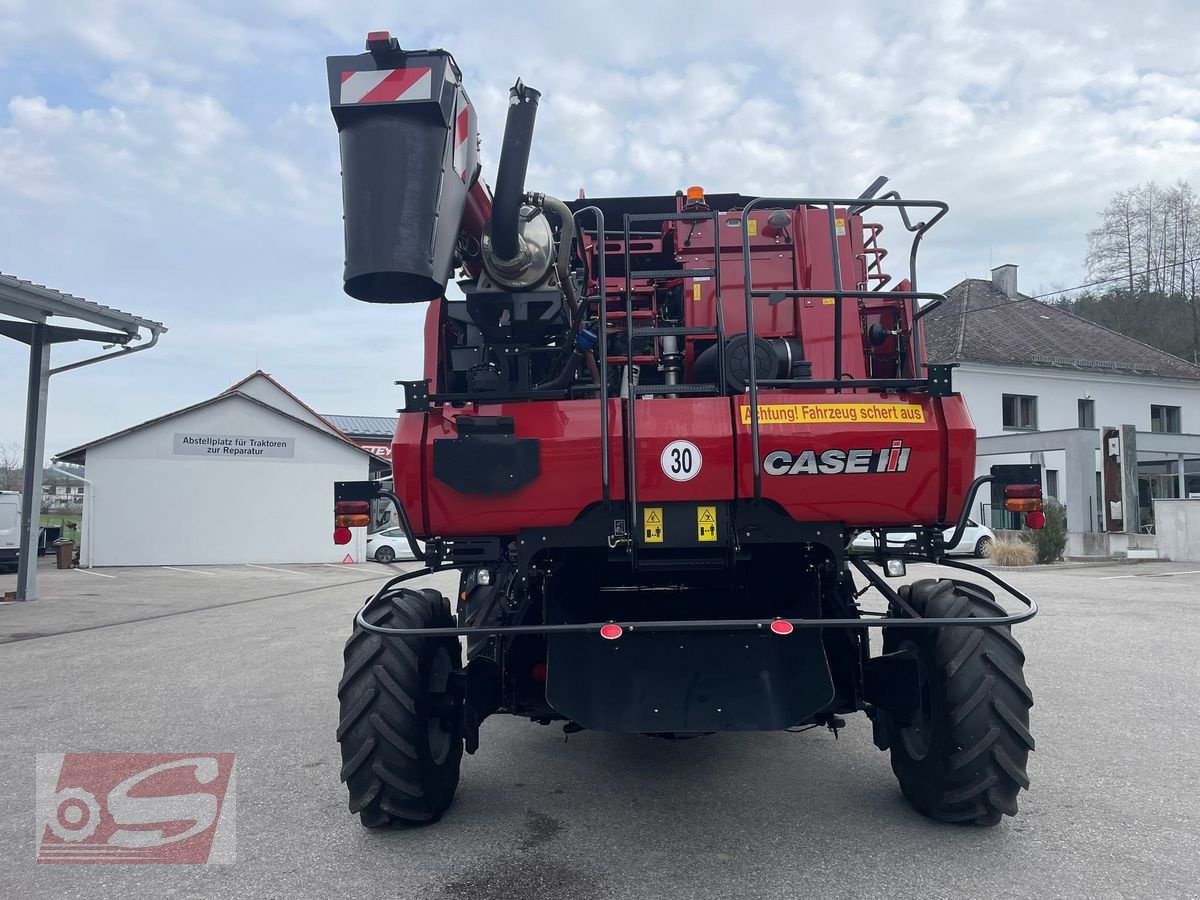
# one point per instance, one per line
(510, 179)
(563, 261)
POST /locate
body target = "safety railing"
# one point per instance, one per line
(855, 205)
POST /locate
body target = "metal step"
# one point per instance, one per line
(651, 389)
(657, 274)
(673, 330)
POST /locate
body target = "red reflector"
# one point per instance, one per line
(379, 35)
(781, 626)
(611, 631)
(1022, 491)
(352, 508)
(1036, 519)
(539, 672)
(342, 536)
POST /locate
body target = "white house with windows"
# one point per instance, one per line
(1041, 382)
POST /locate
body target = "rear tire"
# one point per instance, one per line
(981, 547)
(963, 758)
(385, 554)
(401, 714)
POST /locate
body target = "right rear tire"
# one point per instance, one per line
(385, 554)
(401, 714)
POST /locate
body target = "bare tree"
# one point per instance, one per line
(1148, 238)
(11, 469)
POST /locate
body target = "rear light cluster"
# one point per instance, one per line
(349, 514)
(1026, 498)
(352, 514)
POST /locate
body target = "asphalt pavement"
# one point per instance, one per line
(246, 660)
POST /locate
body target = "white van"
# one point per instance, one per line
(10, 529)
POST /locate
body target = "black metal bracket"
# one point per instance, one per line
(416, 396)
(941, 382)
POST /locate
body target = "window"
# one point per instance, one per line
(1020, 411)
(1052, 483)
(1165, 419)
(1087, 413)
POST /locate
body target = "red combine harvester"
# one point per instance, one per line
(647, 435)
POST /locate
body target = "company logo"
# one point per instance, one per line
(135, 808)
(838, 462)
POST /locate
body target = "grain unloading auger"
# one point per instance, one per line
(646, 435)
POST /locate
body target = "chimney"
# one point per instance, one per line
(1004, 278)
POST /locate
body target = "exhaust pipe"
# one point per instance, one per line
(510, 180)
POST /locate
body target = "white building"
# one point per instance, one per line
(244, 477)
(1041, 382)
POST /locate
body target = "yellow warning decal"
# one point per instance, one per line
(840, 226)
(652, 524)
(706, 523)
(828, 301)
(695, 291)
(752, 228)
(836, 414)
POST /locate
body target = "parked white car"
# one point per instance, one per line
(10, 529)
(388, 545)
(974, 541)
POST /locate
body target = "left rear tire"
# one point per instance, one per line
(963, 756)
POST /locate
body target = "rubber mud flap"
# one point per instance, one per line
(688, 681)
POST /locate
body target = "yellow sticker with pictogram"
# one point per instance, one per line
(706, 523)
(652, 524)
(696, 294)
(752, 228)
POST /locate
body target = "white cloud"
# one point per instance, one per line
(178, 158)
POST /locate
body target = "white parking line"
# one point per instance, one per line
(188, 571)
(274, 569)
(98, 574)
(1149, 575)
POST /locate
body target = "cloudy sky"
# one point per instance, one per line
(177, 159)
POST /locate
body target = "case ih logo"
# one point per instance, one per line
(135, 808)
(838, 462)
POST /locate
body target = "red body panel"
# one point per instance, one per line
(931, 486)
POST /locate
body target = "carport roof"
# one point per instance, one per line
(78, 454)
(33, 302)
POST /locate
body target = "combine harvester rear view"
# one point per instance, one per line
(646, 436)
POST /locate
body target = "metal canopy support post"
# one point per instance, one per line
(35, 451)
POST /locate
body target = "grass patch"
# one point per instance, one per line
(1011, 553)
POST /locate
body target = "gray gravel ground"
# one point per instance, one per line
(247, 660)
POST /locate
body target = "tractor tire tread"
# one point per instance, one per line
(387, 764)
(981, 768)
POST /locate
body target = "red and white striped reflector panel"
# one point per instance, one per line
(462, 128)
(387, 85)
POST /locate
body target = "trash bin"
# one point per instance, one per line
(65, 549)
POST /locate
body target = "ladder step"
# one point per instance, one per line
(651, 389)
(637, 314)
(662, 274)
(648, 332)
